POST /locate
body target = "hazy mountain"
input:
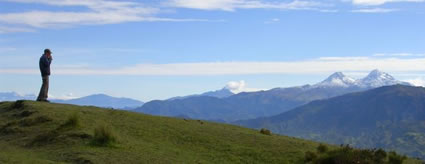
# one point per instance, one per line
(263, 103)
(13, 96)
(102, 100)
(222, 93)
(390, 117)
(219, 93)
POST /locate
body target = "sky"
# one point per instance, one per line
(159, 49)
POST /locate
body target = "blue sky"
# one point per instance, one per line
(159, 49)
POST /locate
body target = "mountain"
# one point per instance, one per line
(36, 132)
(13, 96)
(374, 79)
(390, 117)
(222, 93)
(337, 79)
(102, 100)
(248, 105)
(377, 78)
(99, 100)
(219, 93)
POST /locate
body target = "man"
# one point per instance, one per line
(45, 61)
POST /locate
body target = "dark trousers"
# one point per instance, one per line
(44, 89)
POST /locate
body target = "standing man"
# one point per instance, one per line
(45, 61)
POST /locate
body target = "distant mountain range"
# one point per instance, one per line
(13, 96)
(222, 93)
(249, 105)
(102, 100)
(390, 117)
(99, 100)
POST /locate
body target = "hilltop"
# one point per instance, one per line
(33, 132)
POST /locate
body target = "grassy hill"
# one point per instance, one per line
(33, 132)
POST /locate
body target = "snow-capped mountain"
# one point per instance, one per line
(337, 79)
(378, 78)
(247, 105)
(374, 79)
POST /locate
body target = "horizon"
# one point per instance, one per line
(235, 87)
(156, 50)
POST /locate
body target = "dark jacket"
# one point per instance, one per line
(45, 65)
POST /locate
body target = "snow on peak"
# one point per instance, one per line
(374, 79)
(378, 78)
(337, 79)
(377, 74)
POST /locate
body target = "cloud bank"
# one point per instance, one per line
(232, 5)
(322, 65)
(98, 12)
(380, 2)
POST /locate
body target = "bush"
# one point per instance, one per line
(18, 104)
(346, 155)
(310, 156)
(103, 136)
(265, 131)
(394, 158)
(322, 148)
(73, 121)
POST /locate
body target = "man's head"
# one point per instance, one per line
(47, 51)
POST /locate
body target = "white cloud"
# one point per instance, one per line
(4, 29)
(273, 20)
(231, 5)
(374, 10)
(314, 66)
(67, 96)
(398, 55)
(416, 82)
(380, 2)
(235, 86)
(239, 86)
(99, 12)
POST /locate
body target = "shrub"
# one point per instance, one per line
(379, 156)
(72, 121)
(346, 155)
(18, 104)
(322, 148)
(265, 131)
(394, 158)
(310, 156)
(103, 136)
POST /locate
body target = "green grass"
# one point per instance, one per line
(33, 132)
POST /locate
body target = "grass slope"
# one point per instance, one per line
(33, 132)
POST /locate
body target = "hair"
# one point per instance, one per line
(47, 51)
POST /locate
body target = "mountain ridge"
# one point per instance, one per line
(390, 117)
(249, 105)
